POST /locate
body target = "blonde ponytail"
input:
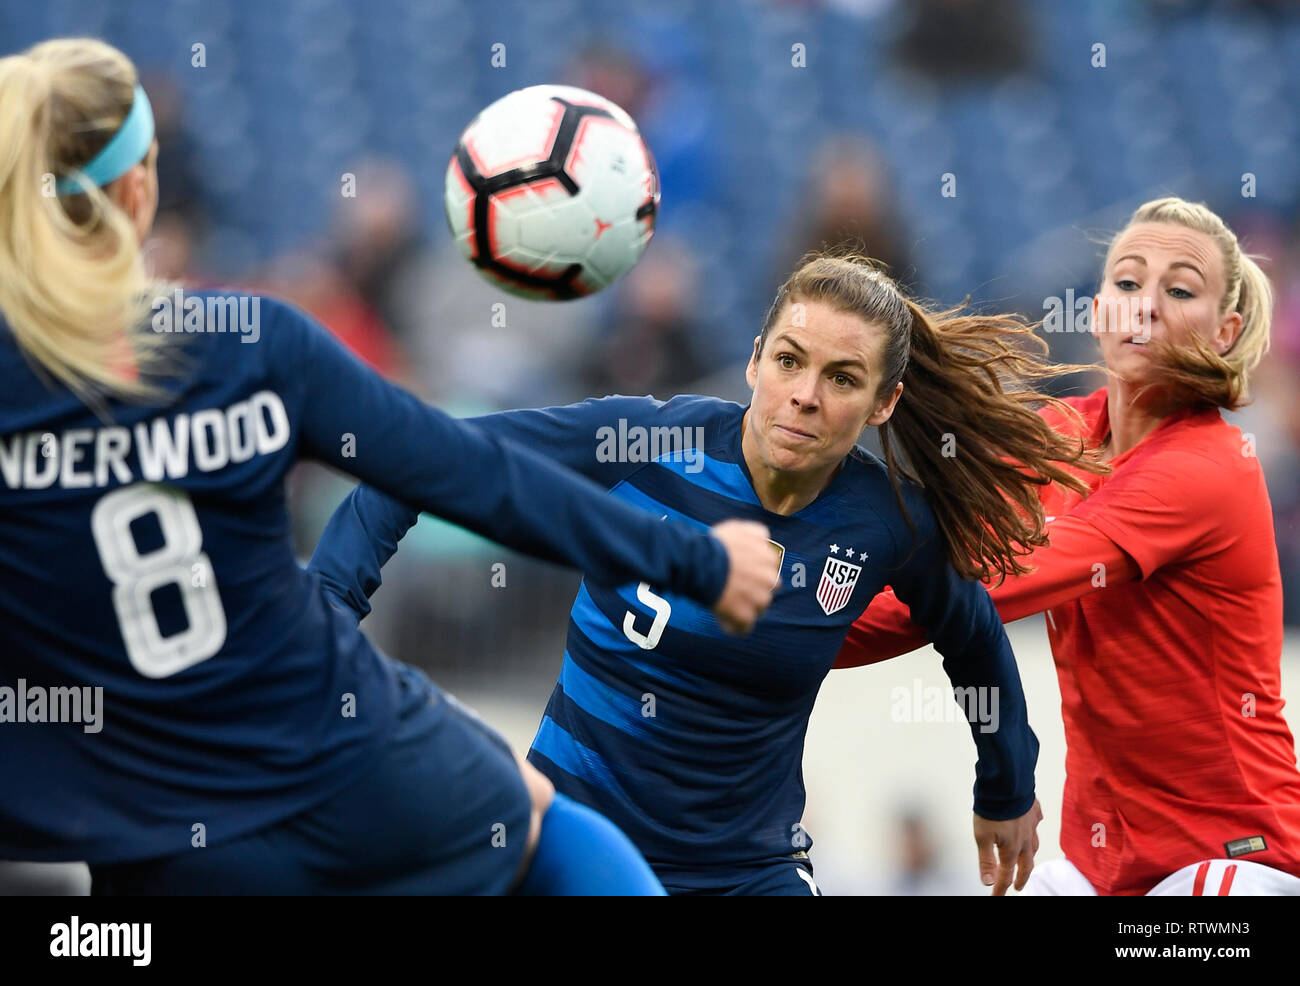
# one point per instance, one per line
(73, 289)
(1255, 303)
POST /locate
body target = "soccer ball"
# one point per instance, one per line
(552, 193)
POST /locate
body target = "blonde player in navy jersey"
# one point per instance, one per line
(692, 742)
(250, 739)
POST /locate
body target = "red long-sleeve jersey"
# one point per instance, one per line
(1164, 612)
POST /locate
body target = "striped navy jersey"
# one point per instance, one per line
(169, 675)
(691, 740)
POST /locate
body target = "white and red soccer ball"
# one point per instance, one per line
(551, 193)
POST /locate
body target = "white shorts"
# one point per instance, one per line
(1208, 878)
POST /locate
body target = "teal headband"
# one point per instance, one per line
(126, 149)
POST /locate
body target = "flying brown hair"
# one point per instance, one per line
(966, 424)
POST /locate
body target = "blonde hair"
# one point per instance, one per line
(73, 287)
(1195, 374)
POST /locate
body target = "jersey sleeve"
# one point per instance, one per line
(959, 617)
(884, 630)
(1079, 560)
(587, 437)
(1167, 506)
(360, 537)
(350, 417)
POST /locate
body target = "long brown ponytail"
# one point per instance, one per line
(965, 427)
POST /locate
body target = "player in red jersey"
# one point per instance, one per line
(1161, 586)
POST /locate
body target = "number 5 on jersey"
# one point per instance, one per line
(137, 576)
(662, 610)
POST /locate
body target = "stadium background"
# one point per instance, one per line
(776, 127)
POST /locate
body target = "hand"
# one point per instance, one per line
(1016, 840)
(753, 571)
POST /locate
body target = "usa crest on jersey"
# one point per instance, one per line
(837, 583)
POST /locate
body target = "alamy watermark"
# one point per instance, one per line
(234, 313)
(930, 703)
(1075, 314)
(36, 703)
(73, 939)
(655, 443)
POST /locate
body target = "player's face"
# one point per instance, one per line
(814, 387)
(1162, 281)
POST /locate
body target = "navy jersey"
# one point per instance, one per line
(149, 556)
(689, 739)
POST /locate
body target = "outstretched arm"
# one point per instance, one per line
(357, 542)
(1080, 560)
(959, 616)
(363, 533)
(490, 485)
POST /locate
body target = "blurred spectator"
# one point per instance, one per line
(614, 73)
(180, 188)
(653, 347)
(660, 87)
(921, 873)
(1272, 420)
(183, 207)
(323, 291)
(848, 200)
(469, 341)
(380, 245)
(481, 346)
(951, 39)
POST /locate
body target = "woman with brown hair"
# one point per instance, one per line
(1161, 587)
(693, 741)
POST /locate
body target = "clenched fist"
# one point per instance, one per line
(754, 568)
